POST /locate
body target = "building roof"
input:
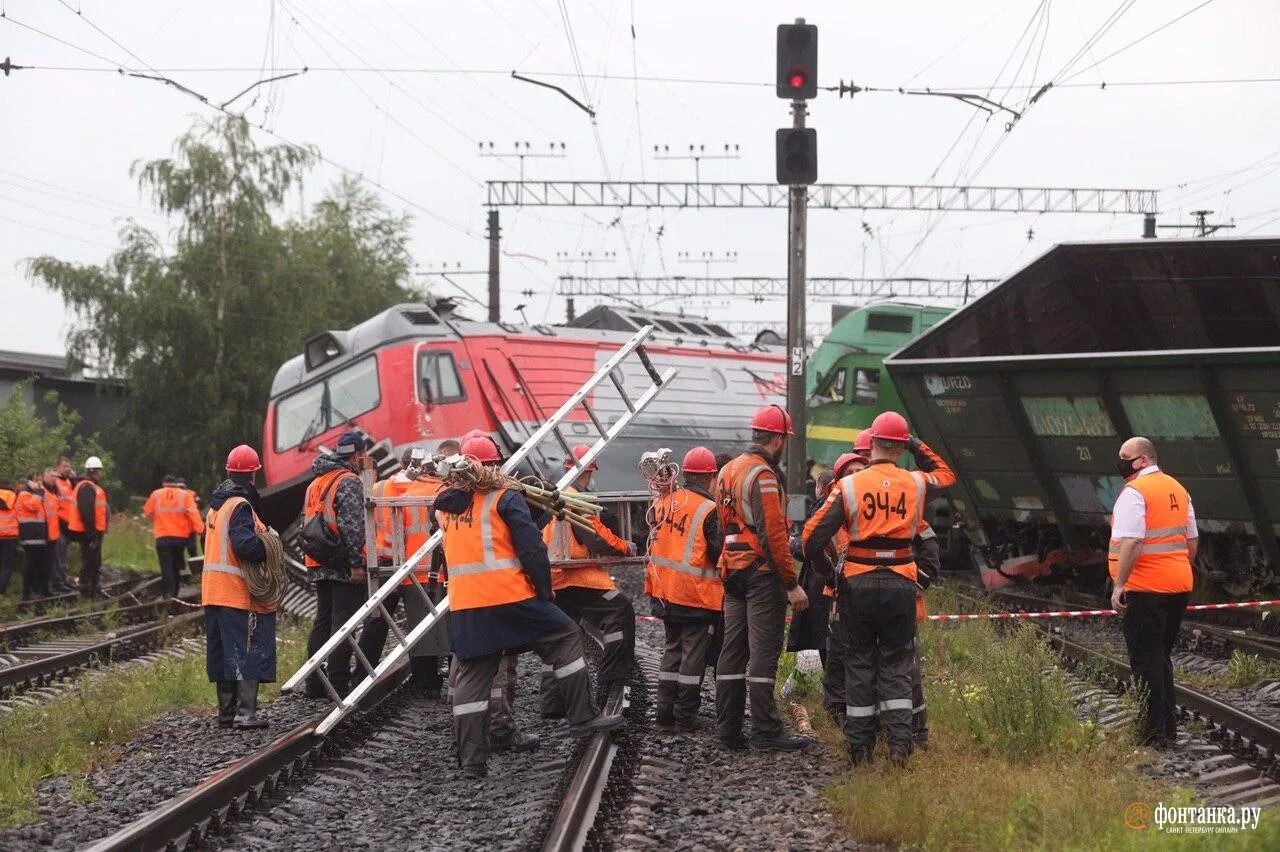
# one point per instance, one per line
(34, 364)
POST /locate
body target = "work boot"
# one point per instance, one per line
(596, 725)
(480, 771)
(247, 706)
(861, 755)
(553, 714)
(518, 741)
(425, 676)
(781, 741)
(666, 724)
(734, 742)
(315, 688)
(898, 757)
(226, 702)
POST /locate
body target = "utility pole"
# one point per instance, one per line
(797, 348)
(495, 292)
(796, 152)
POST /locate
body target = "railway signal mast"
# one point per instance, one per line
(797, 167)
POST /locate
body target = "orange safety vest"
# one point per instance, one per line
(222, 582)
(742, 530)
(884, 511)
(415, 522)
(76, 524)
(33, 526)
(193, 512)
(563, 546)
(8, 515)
(312, 505)
(66, 499)
(168, 508)
(1163, 563)
(52, 511)
(678, 571)
(484, 569)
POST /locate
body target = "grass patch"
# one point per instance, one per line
(129, 543)
(80, 730)
(1242, 670)
(1010, 764)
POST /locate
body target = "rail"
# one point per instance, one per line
(11, 634)
(577, 812)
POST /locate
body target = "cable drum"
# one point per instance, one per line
(266, 579)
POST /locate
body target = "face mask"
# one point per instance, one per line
(1125, 466)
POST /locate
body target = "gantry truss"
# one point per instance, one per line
(767, 287)
(825, 196)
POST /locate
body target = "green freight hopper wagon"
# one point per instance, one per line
(1030, 390)
(846, 384)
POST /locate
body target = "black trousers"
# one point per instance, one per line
(35, 570)
(610, 612)
(336, 601)
(878, 618)
(90, 563)
(8, 556)
(172, 559)
(1151, 622)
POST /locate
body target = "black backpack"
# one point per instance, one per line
(316, 539)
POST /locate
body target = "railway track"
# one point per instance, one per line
(114, 591)
(1230, 752)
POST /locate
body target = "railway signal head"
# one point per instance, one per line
(797, 61)
(796, 150)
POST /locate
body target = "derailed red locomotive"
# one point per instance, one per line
(1030, 390)
(415, 374)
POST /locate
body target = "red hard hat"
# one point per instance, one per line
(579, 451)
(699, 460)
(862, 443)
(475, 433)
(243, 459)
(837, 470)
(481, 448)
(890, 426)
(772, 418)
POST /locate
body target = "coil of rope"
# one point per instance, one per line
(468, 474)
(662, 474)
(266, 579)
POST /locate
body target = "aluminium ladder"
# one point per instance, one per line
(375, 605)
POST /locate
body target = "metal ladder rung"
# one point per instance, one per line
(391, 624)
(648, 365)
(364, 661)
(591, 413)
(622, 392)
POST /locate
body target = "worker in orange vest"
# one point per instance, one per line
(684, 547)
(500, 601)
(335, 498)
(759, 582)
(882, 509)
(88, 525)
(173, 521)
(586, 592)
(837, 651)
(412, 481)
(34, 530)
(240, 633)
(64, 486)
(1153, 545)
(8, 535)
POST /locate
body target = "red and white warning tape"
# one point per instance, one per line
(1063, 613)
(1086, 613)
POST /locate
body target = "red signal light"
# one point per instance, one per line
(797, 79)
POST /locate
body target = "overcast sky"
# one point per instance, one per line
(69, 136)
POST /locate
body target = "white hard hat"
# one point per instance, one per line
(93, 463)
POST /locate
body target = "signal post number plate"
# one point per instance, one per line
(797, 360)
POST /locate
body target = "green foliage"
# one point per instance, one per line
(130, 544)
(198, 323)
(29, 443)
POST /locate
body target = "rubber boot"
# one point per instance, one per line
(226, 703)
(247, 706)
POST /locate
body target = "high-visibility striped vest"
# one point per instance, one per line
(313, 505)
(1164, 563)
(167, 509)
(33, 525)
(678, 571)
(484, 569)
(222, 583)
(742, 530)
(563, 546)
(66, 499)
(884, 511)
(52, 509)
(8, 514)
(76, 524)
(415, 521)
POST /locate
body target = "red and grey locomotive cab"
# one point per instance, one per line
(415, 375)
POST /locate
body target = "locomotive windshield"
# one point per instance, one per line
(327, 404)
